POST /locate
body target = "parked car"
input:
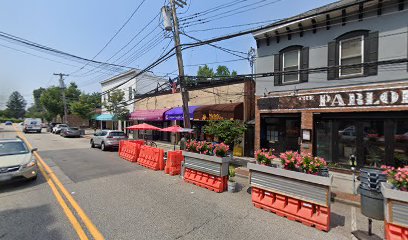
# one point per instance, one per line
(16, 161)
(58, 127)
(51, 125)
(70, 132)
(107, 139)
(32, 125)
(8, 123)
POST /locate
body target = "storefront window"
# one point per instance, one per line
(279, 133)
(401, 143)
(324, 139)
(374, 143)
(346, 136)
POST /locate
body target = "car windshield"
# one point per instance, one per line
(11, 148)
(117, 134)
(73, 128)
(62, 125)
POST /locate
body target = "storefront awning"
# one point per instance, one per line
(106, 117)
(177, 113)
(148, 115)
(220, 112)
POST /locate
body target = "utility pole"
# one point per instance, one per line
(176, 34)
(64, 100)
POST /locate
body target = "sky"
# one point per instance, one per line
(83, 28)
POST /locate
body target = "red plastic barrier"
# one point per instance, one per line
(151, 157)
(204, 180)
(173, 163)
(310, 214)
(129, 150)
(395, 232)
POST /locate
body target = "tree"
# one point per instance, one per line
(229, 131)
(234, 73)
(51, 100)
(205, 71)
(86, 105)
(36, 110)
(222, 71)
(72, 94)
(16, 105)
(115, 104)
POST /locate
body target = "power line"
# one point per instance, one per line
(116, 33)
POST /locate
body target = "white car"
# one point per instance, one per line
(16, 160)
(57, 129)
(32, 125)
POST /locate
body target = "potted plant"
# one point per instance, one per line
(232, 185)
(395, 192)
(294, 190)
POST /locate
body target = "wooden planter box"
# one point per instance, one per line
(395, 212)
(297, 196)
(213, 165)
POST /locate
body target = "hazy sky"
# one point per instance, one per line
(84, 27)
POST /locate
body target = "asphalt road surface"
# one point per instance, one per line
(126, 201)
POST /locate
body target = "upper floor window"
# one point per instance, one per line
(351, 52)
(291, 62)
(288, 63)
(356, 47)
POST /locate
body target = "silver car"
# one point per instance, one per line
(16, 160)
(70, 132)
(107, 139)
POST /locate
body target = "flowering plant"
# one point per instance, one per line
(312, 165)
(398, 177)
(291, 160)
(203, 147)
(221, 150)
(264, 157)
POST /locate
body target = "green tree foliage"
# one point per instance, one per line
(115, 104)
(16, 105)
(86, 105)
(205, 71)
(36, 110)
(228, 131)
(222, 71)
(72, 93)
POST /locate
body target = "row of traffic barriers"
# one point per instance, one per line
(151, 157)
(130, 149)
(173, 163)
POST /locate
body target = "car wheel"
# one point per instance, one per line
(92, 144)
(103, 147)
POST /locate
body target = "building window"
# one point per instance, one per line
(351, 51)
(291, 62)
(355, 47)
(292, 58)
(130, 93)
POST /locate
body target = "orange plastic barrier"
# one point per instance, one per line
(204, 180)
(395, 232)
(151, 157)
(129, 150)
(309, 214)
(173, 163)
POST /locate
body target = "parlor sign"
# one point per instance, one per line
(340, 99)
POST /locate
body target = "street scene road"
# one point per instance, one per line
(127, 201)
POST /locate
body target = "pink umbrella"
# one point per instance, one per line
(143, 126)
(175, 129)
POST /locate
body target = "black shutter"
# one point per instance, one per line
(371, 54)
(276, 68)
(332, 61)
(304, 64)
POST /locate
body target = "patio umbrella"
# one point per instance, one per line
(143, 126)
(176, 129)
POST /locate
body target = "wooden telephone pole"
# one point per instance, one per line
(64, 100)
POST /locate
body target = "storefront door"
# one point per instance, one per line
(280, 133)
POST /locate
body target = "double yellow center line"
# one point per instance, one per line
(57, 187)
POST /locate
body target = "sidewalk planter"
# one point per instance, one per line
(395, 213)
(297, 196)
(206, 171)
